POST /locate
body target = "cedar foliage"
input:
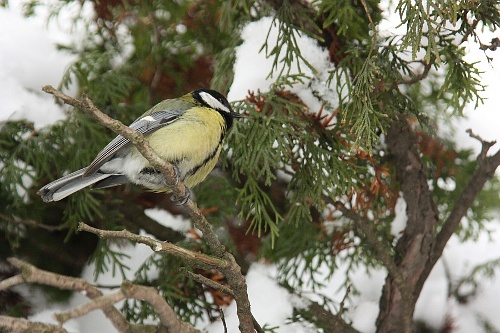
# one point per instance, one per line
(144, 51)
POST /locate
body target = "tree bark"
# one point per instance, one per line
(419, 248)
(414, 248)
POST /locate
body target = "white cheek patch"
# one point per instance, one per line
(213, 102)
(148, 118)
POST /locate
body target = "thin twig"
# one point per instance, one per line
(33, 223)
(369, 234)
(232, 271)
(485, 171)
(11, 282)
(206, 281)
(156, 245)
(418, 77)
(223, 319)
(95, 304)
(217, 286)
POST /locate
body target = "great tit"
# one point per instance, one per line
(187, 131)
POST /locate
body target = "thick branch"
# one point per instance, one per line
(233, 271)
(168, 317)
(420, 207)
(32, 274)
(20, 325)
(414, 248)
(157, 246)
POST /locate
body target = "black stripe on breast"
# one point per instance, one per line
(212, 154)
(205, 161)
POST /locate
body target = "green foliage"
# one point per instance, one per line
(348, 17)
(460, 71)
(288, 162)
(108, 259)
(286, 41)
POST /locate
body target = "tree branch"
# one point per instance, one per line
(487, 166)
(203, 280)
(95, 304)
(20, 325)
(157, 246)
(232, 271)
(367, 232)
(167, 316)
(33, 223)
(413, 249)
(334, 323)
(419, 77)
(29, 273)
(11, 282)
(33, 274)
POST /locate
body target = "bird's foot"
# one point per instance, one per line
(177, 175)
(179, 201)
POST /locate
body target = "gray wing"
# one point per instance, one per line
(145, 125)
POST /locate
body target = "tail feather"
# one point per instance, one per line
(69, 184)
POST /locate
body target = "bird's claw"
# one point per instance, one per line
(179, 201)
(177, 175)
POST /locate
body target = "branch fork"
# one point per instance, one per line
(225, 261)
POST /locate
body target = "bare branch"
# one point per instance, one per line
(334, 323)
(168, 317)
(33, 274)
(88, 107)
(11, 282)
(33, 223)
(157, 246)
(20, 325)
(95, 304)
(419, 77)
(233, 271)
(203, 280)
(487, 166)
(414, 248)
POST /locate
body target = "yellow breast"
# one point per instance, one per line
(193, 143)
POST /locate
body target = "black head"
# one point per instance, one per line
(217, 101)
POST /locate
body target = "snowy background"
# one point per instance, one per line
(30, 59)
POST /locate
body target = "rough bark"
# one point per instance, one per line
(419, 248)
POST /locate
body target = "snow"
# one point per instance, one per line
(177, 223)
(252, 66)
(399, 223)
(29, 59)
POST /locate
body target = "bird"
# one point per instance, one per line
(187, 131)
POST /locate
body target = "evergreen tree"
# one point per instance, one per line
(303, 183)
